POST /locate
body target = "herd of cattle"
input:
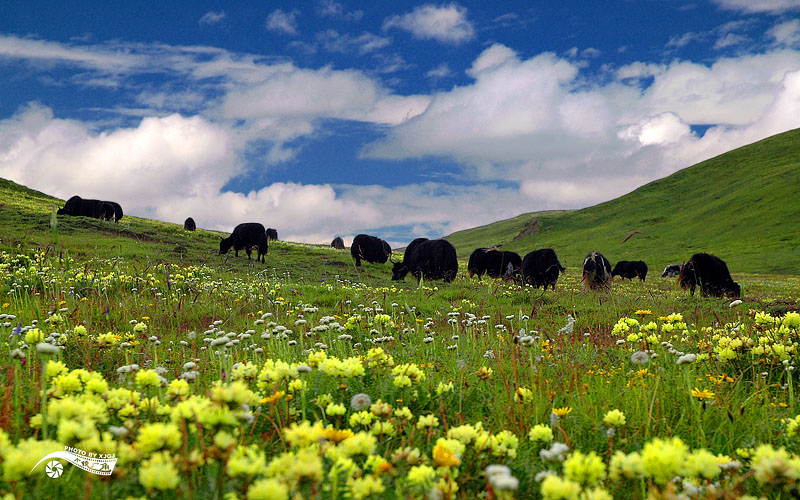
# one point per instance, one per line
(436, 259)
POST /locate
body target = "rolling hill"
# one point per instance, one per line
(743, 206)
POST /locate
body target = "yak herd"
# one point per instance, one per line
(429, 260)
(436, 260)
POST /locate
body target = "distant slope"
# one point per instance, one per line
(743, 206)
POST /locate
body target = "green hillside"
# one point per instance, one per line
(743, 206)
(25, 222)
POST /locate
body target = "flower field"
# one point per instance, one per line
(228, 379)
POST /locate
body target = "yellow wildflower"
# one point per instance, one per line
(158, 472)
(702, 394)
(562, 412)
(443, 457)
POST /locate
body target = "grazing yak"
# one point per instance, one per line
(711, 273)
(541, 268)
(494, 262)
(272, 234)
(596, 271)
(630, 269)
(672, 270)
(338, 243)
(246, 236)
(117, 210)
(370, 248)
(429, 260)
(97, 209)
(189, 224)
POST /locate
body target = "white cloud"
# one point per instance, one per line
(364, 43)
(447, 24)
(104, 58)
(683, 39)
(666, 128)
(309, 94)
(729, 40)
(162, 159)
(733, 91)
(212, 17)
(283, 21)
(786, 33)
(441, 71)
(331, 8)
(753, 6)
(492, 57)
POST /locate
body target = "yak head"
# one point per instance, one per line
(225, 244)
(399, 271)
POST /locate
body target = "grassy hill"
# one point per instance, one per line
(25, 222)
(743, 206)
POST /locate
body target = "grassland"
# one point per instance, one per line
(218, 377)
(742, 206)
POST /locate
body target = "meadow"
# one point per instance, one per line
(309, 378)
(215, 377)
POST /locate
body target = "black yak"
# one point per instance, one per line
(493, 262)
(97, 209)
(71, 207)
(189, 224)
(338, 243)
(246, 236)
(429, 260)
(672, 270)
(541, 268)
(370, 248)
(630, 269)
(272, 234)
(596, 271)
(711, 273)
(117, 210)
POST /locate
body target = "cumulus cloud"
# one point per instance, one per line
(447, 24)
(732, 91)
(666, 128)
(283, 22)
(212, 17)
(534, 123)
(161, 158)
(765, 6)
(492, 57)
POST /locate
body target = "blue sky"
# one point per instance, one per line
(399, 119)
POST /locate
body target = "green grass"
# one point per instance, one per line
(742, 206)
